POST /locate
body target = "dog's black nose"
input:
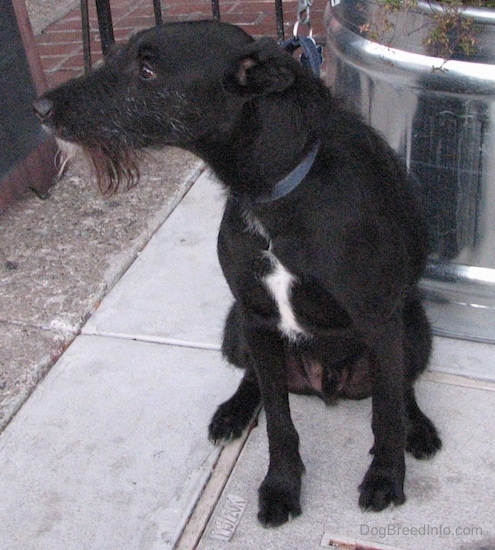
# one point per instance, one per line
(43, 108)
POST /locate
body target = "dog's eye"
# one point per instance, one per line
(146, 71)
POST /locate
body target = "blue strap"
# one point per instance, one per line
(294, 178)
(312, 56)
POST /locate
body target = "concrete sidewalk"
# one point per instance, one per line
(110, 452)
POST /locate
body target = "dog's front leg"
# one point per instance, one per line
(383, 484)
(279, 493)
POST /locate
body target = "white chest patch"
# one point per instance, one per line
(279, 283)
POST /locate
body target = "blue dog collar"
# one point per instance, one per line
(293, 178)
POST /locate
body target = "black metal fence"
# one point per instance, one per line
(105, 25)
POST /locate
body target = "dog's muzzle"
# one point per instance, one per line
(43, 108)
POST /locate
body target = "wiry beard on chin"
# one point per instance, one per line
(114, 168)
(66, 152)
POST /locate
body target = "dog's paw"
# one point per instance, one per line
(423, 440)
(228, 422)
(279, 500)
(380, 488)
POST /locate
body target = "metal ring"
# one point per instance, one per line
(296, 29)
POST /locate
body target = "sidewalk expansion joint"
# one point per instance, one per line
(162, 340)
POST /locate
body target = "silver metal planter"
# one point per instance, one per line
(440, 116)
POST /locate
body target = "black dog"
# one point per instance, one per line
(322, 242)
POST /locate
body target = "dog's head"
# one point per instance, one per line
(178, 84)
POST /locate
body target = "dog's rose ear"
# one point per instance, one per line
(263, 68)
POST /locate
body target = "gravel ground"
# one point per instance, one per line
(60, 256)
(43, 12)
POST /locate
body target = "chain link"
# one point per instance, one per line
(303, 17)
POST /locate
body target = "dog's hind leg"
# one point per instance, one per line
(423, 440)
(233, 417)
